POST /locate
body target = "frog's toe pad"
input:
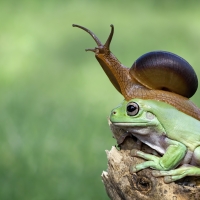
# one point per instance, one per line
(133, 169)
(134, 152)
(168, 179)
(156, 173)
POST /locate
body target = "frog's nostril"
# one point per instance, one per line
(114, 112)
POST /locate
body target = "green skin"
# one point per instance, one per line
(170, 132)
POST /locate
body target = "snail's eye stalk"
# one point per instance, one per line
(107, 44)
(90, 32)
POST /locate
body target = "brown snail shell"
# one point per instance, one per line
(163, 70)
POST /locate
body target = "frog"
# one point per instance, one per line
(170, 132)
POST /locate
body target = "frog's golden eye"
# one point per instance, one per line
(132, 109)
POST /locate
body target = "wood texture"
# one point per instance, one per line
(120, 184)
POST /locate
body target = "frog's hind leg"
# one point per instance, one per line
(191, 169)
(176, 174)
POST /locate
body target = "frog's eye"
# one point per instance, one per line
(132, 109)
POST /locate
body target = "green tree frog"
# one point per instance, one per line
(172, 133)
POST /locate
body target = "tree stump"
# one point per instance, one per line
(121, 184)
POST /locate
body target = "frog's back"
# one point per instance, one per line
(178, 125)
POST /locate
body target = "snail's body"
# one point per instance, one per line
(170, 81)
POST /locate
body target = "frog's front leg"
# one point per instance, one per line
(174, 154)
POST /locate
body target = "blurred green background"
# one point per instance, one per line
(55, 98)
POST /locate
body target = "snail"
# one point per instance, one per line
(157, 75)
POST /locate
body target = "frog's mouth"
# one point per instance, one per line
(130, 124)
(135, 123)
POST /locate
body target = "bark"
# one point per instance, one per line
(121, 184)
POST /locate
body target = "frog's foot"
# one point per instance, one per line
(176, 174)
(152, 161)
